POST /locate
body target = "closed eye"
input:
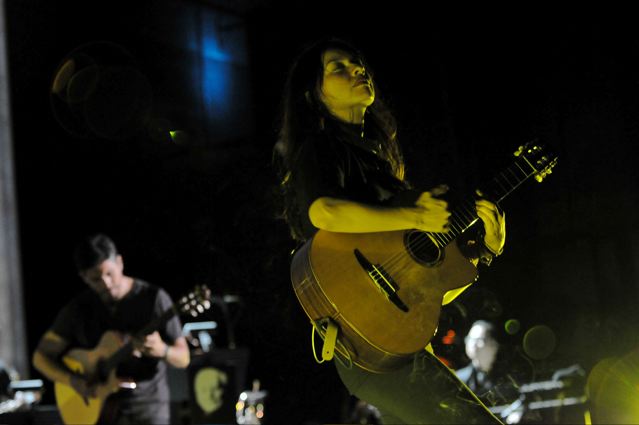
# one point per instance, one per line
(336, 66)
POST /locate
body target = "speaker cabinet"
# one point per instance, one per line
(215, 381)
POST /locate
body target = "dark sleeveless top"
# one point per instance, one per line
(340, 163)
(343, 163)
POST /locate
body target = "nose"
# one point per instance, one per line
(106, 282)
(475, 342)
(359, 70)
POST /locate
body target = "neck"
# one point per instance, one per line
(482, 367)
(351, 115)
(128, 281)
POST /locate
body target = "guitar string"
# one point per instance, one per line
(443, 239)
(468, 217)
(421, 240)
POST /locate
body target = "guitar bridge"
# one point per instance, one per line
(384, 282)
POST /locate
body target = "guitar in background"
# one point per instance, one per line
(99, 364)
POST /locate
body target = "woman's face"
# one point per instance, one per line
(346, 89)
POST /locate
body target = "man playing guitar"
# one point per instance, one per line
(117, 306)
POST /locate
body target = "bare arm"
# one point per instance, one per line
(429, 214)
(46, 358)
(177, 355)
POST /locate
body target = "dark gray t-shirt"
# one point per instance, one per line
(83, 321)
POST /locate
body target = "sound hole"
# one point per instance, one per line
(422, 248)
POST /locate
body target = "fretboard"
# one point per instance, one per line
(464, 215)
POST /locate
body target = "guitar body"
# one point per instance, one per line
(330, 281)
(72, 406)
(384, 290)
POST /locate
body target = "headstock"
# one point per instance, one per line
(538, 158)
(195, 302)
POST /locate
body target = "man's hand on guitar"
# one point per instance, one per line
(151, 345)
(82, 386)
(494, 223)
(432, 213)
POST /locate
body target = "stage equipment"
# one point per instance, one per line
(543, 396)
(216, 380)
(249, 409)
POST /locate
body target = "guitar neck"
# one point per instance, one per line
(464, 215)
(125, 351)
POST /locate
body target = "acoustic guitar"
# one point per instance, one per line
(99, 364)
(382, 292)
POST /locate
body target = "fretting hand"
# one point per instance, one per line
(151, 345)
(494, 224)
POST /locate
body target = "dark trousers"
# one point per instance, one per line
(424, 391)
(119, 412)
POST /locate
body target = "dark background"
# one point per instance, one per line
(468, 87)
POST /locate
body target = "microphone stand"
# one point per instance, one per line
(223, 302)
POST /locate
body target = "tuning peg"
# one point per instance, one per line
(519, 151)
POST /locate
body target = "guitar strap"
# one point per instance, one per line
(327, 330)
(328, 348)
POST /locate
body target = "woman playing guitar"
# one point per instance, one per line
(342, 172)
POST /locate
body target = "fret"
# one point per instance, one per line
(201, 300)
(503, 184)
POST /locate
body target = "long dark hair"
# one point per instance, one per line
(303, 115)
